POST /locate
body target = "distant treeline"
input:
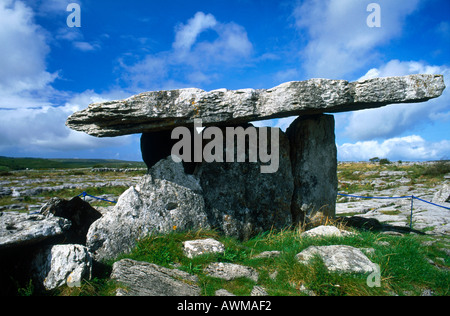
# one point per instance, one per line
(10, 164)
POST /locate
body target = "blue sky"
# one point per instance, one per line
(48, 70)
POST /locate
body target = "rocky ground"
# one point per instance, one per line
(394, 184)
(427, 181)
(27, 191)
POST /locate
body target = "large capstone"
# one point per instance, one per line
(162, 110)
(242, 196)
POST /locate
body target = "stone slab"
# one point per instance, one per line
(161, 110)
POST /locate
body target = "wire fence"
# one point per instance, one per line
(412, 197)
(84, 194)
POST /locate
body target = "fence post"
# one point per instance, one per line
(412, 205)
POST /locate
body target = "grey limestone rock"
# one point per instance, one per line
(326, 231)
(231, 271)
(79, 212)
(152, 206)
(340, 258)
(58, 265)
(443, 195)
(193, 248)
(241, 201)
(153, 111)
(18, 229)
(146, 279)
(314, 168)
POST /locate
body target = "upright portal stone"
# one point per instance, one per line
(314, 167)
(241, 201)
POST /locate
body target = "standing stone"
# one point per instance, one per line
(241, 201)
(314, 167)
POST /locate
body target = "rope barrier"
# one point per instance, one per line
(84, 194)
(376, 197)
(412, 197)
(393, 198)
(447, 208)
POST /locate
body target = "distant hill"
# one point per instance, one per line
(9, 164)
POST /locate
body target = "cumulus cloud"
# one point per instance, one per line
(30, 123)
(39, 130)
(399, 148)
(339, 40)
(24, 79)
(394, 120)
(187, 34)
(192, 59)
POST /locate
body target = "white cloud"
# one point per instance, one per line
(45, 7)
(29, 121)
(231, 42)
(37, 130)
(339, 40)
(24, 80)
(86, 46)
(394, 120)
(186, 35)
(409, 148)
(192, 59)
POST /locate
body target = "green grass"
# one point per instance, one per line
(428, 175)
(405, 266)
(405, 269)
(9, 164)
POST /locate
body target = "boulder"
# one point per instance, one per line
(241, 201)
(146, 279)
(154, 111)
(326, 231)
(18, 229)
(153, 206)
(344, 259)
(193, 248)
(314, 168)
(231, 271)
(79, 212)
(58, 265)
(169, 170)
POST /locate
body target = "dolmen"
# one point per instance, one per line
(209, 167)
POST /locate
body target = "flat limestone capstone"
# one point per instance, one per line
(161, 110)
